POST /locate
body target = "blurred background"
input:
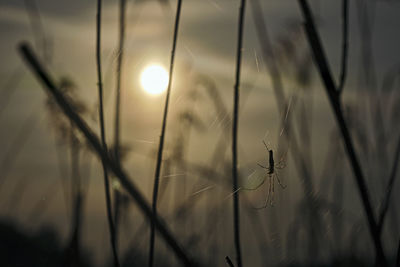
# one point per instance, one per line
(51, 184)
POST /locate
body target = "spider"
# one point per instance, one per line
(271, 172)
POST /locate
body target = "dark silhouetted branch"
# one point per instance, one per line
(333, 96)
(236, 102)
(229, 262)
(398, 256)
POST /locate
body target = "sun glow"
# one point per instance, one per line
(154, 79)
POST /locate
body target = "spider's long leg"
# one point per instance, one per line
(263, 206)
(279, 181)
(267, 198)
(272, 180)
(266, 146)
(264, 167)
(271, 191)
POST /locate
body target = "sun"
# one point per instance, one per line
(154, 79)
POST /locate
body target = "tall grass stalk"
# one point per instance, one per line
(102, 134)
(117, 126)
(398, 255)
(389, 188)
(98, 149)
(37, 27)
(345, 40)
(162, 136)
(74, 249)
(229, 262)
(236, 102)
(334, 98)
(381, 133)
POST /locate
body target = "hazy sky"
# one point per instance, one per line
(206, 46)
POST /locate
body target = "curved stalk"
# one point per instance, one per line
(162, 136)
(102, 134)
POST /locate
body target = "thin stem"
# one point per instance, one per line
(332, 92)
(162, 136)
(229, 262)
(74, 257)
(345, 38)
(122, 5)
(389, 188)
(117, 126)
(102, 134)
(398, 255)
(93, 140)
(236, 101)
(37, 28)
